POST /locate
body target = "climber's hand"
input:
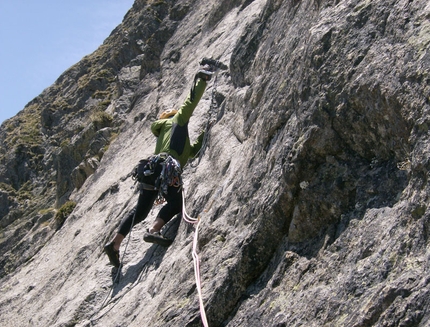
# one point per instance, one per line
(205, 72)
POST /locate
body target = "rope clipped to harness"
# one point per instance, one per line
(158, 172)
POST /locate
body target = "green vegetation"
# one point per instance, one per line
(64, 212)
(96, 80)
(25, 128)
(105, 74)
(45, 211)
(65, 143)
(101, 95)
(24, 193)
(112, 138)
(61, 103)
(157, 2)
(101, 119)
(102, 105)
(8, 188)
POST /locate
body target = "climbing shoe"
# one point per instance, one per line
(112, 254)
(156, 238)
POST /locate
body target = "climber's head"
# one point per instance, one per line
(168, 113)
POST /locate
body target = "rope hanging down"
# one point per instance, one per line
(212, 117)
(196, 259)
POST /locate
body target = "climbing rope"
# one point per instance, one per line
(196, 260)
(212, 116)
(118, 272)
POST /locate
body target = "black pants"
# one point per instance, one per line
(144, 206)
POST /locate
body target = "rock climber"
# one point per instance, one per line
(173, 145)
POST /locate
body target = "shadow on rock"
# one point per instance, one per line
(153, 258)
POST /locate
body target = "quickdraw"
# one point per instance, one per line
(171, 174)
(212, 117)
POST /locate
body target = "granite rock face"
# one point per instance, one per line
(312, 190)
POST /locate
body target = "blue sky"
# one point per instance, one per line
(40, 39)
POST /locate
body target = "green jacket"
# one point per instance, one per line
(172, 133)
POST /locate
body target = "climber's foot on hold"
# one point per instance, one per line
(112, 254)
(156, 238)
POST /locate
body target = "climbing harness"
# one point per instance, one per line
(158, 172)
(196, 260)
